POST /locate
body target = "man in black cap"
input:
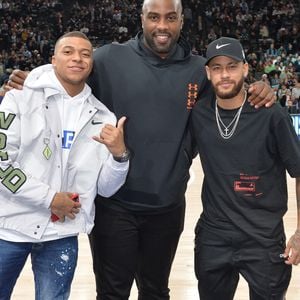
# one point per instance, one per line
(245, 154)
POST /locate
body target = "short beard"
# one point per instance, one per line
(231, 94)
(160, 51)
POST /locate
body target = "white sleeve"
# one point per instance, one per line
(112, 176)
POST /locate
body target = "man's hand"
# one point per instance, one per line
(2, 93)
(292, 250)
(113, 137)
(63, 205)
(16, 79)
(261, 94)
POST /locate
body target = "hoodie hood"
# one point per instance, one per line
(42, 77)
(181, 51)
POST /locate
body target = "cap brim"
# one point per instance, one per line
(231, 56)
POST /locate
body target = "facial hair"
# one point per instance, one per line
(149, 39)
(233, 92)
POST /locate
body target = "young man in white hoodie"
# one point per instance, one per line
(57, 144)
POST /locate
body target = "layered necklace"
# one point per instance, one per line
(227, 132)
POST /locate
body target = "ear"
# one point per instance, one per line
(142, 20)
(53, 60)
(182, 18)
(245, 69)
(207, 72)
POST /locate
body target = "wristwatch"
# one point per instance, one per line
(124, 156)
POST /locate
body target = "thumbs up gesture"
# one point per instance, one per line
(113, 137)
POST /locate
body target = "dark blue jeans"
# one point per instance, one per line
(53, 265)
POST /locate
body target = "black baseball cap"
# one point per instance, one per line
(225, 46)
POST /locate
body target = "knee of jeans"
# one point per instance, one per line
(52, 294)
(57, 288)
(53, 278)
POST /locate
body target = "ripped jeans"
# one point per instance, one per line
(53, 265)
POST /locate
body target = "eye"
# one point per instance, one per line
(153, 18)
(215, 68)
(172, 18)
(232, 67)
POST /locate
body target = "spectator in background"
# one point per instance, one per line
(2, 91)
(274, 80)
(5, 76)
(296, 92)
(290, 104)
(272, 52)
(282, 94)
(188, 17)
(265, 78)
(269, 66)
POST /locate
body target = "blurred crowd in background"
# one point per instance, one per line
(268, 29)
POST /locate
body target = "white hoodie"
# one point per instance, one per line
(29, 178)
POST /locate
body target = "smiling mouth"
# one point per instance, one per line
(76, 68)
(225, 83)
(162, 38)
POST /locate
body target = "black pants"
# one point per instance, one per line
(128, 246)
(222, 255)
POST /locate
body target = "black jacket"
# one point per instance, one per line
(156, 95)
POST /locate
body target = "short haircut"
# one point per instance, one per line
(178, 5)
(78, 34)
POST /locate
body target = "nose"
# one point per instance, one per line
(162, 24)
(224, 72)
(76, 56)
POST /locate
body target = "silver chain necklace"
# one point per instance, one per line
(225, 131)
